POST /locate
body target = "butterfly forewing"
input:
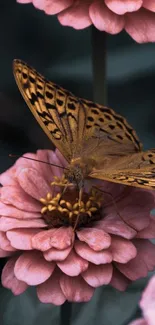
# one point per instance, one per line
(52, 106)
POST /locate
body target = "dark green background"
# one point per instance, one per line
(64, 55)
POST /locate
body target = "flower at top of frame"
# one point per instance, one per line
(137, 17)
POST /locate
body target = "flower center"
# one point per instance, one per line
(64, 209)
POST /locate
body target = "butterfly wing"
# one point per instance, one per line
(137, 170)
(77, 127)
(56, 109)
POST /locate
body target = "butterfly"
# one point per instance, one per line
(96, 142)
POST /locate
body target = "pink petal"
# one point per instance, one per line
(149, 4)
(59, 238)
(120, 7)
(114, 225)
(76, 16)
(50, 157)
(33, 183)
(55, 6)
(73, 265)
(50, 292)
(97, 239)
(39, 4)
(17, 197)
(146, 251)
(147, 302)
(90, 255)
(8, 177)
(141, 26)
(97, 275)
(142, 263)
(122, 250)
(24, 1)
(12, 212)
(148, 232)
(119, 281)
(54, 254)
(139, 321)
(12, 223)
(4, 242)
(4, 253)
(104, 19)
(134, 269)
(10, 281)
(75, 289)
(22, 238)
(32, 268)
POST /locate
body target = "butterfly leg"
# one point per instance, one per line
(79, 203)
(113, 201)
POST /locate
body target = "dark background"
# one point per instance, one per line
(64, 55)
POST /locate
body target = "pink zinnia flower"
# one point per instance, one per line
(147, 304)
(43, 249)
(137, 17)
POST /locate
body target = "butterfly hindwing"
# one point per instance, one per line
(135, 170)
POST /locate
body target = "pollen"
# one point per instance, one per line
(63, 209)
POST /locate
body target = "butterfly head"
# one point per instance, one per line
(74, 174)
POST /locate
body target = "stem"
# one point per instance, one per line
(99, 65)
(66, 313)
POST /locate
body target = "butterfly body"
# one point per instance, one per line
(95, 141)
(78, 171)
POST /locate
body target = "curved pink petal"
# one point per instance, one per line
(22, 238)
(46, 170)
(4, 253)
(33, 183)
(10, 281)
(54, 254)
(39, 4)
(148, 232)
(101, 257)
(140, 26)
(147, 302)
(122, 250)
(97, 275)
(50, 291)
(149, 4)
(73, 265)
(17, 197)
(75, 288)
(8, 177)
(120, 7)
(135, 208)
(76, 16)
(119, 281)
(59, 238)
(24, 1)
(12, 223)
(32, 268)
(55, 6)
(12, 212)
(146, 251)
(104, 19)
(97, 239)
(5, 243)
(114, 225)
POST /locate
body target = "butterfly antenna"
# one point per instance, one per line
(44, 162)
